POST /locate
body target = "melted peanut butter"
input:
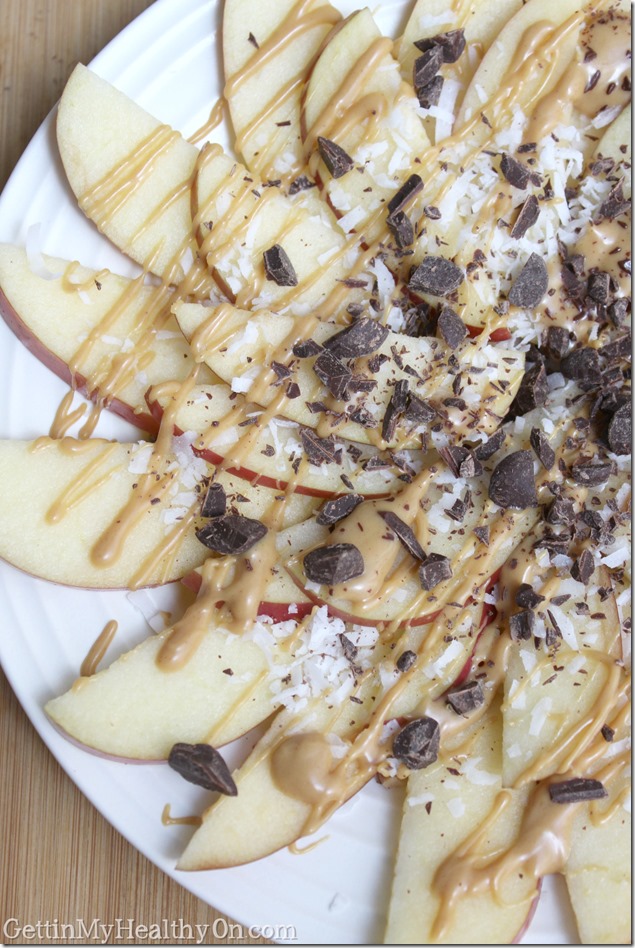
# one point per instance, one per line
(98, 649)
(168, 820)
(301, 767)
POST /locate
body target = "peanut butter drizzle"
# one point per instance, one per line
(89, 479)
(168, 820)
(301, 766)
(65, 418)
(98, 649)
(215, 118)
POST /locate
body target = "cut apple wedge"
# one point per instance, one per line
(107, 336)
(235, 344)
(268, 51)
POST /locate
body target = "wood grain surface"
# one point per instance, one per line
(59, 859)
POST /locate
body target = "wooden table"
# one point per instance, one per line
(59, 859)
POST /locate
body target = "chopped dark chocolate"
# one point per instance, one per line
(301, 183)
(452, 43)
(527, 217)
(339, 507)
(418, 411)
(584, 567)
(408, 190)
(406, 660)
(615, 204)
(531, 284)
(282, 371)
(598, 286)
(417, 744)
(483, 534)
(426, 67)
(395, 409)
(526, 598)
(434, 570)
(577, 790)
(557, 341)
(334, 157)
(404, 534)
(429, 95)
(293, 390)
(231, 534)
(466, 697)
(400, 226)
(618, 311)
(533, 390)
(521, 625)
(278, 267)
(515, 172)
(306, 349)
(619, 433)
(320, 450)
(451, 327)
(607, 733)
(485, 451)
(215, 501)
(512, 482)
(591, 473)
(437, 276)
(203, 765)
(544, 452)
(583, 366)
(361, 338)
(330, 565)
(333, 373)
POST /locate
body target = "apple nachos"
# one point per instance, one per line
(382, 367)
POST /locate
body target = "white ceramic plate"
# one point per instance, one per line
(167, 61)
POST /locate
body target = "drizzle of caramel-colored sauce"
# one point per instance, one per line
(98, 649)
(168, 820)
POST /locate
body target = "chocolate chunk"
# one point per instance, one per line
(577, 790)
(619, 431)
(515, 172)
(350, 651)
(614, 205)
(521, 625)
(301, 183)
(417, 744)
(452, 43)
(527, 217)
(466, 697)
(320, 450)
(437, 276)
(531, 284)
(395, 409)
(403, 533)
(557, 341)
(231, 534)
(401, 229)
(330, 565)
(512, 482)
(432, 212)
(215, 502)
(406, 660)
(591, 473)
(293, 390)
(598, 286)
(278, 267)
(418, 411)
(335, 510)
(458, 510)
(533, 390)
(282, 371)
(306, 349)
(584, 567)
(359, 339)
(334, 157)
(483, 534)
(203, 765)
(526, 598)
(451, 327)
(429, 95)
(485, 451)
(607, 733)
(333, 373)
(408, 190)
(618, 311)
(426, 67)
(583, 366)
(544, 452)
(562, 510)
(618, 349)
(434, 570)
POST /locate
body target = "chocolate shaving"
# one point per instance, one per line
(584, 567)
(231, 534)
(417, 744)
(591, 473)
(614, 205)
(320, 450)
(405, 194)
(521, 625)
(544, 452)
(330, 565)
(361, 338)
(437, 276)
(466, 697)
(215, 501)
(527, 217)
(512, 482)
(526, 598)
(306, 349)
(429, 95)
(336, 509)
(395, 409)
(577, 790)
(406, 660)
(531, 284)
(515, 172)
(485, 451)
(533, 390)
(333, 373)
(404, 534)
(401, 229)
(451, 327)
(334, 157)
(619, 433)
(483, 534)
(301, 183)
(278, 267)
(203, 765)
(434, 570)
(452, 43)
(426, 67)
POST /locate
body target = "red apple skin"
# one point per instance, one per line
(143, 420)
(530, 914)
(278, 611)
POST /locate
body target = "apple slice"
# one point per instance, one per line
(355, 97)
(266, 455)
(107, 336)
(234, 343)
(268, 50)
(441, 813)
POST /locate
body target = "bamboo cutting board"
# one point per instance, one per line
(60, 861)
